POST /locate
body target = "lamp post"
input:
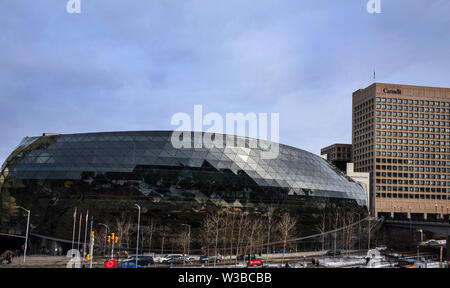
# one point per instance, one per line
(26, 234)
(435, 210)
(393, 216)
(106, 233)
(137, 245)
(189, 238)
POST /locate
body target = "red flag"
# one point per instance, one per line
(75, 213)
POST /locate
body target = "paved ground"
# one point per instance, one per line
(41, 261)
(45, 262)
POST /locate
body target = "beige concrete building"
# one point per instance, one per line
(401, 135)
(363, 178)
(338, 154)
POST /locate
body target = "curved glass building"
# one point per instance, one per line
(106, 173)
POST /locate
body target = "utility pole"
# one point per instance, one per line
(112, 246)
(74, 222)
(137, 244)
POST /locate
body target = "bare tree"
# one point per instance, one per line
(322, 226)
(233, 220)
(123, 227)
(286, 225)
(216, 220)
(147, 233)
(270, 214)
(254, 227)
(163, 232)
(183, 241)
(241, 225)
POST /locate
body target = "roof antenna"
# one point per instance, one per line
(374, 75)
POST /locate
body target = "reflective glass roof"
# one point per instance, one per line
(67, 156)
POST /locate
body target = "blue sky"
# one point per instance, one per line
(130, 65)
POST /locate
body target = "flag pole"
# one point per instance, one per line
(79, 232)
(85, 233)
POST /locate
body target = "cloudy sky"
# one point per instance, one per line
(130, 65)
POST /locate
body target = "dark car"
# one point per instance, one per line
(210, 258)
(336, 252)
(246, 257)
(142, 260)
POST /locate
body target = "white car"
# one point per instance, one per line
(168, 257)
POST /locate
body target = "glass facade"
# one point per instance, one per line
(106, 173)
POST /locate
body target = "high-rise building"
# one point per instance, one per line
(401, 135)
(338, 154)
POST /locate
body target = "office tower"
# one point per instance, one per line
(401, 135)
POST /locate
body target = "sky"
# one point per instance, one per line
(131, 65)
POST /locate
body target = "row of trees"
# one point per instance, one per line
(231, 233)
(242, 234)
(218, 233)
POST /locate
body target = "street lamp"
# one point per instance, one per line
(394, 211)
(435, 210)
(189, 237)
(137, 245)
(26, 234)
(106, 233)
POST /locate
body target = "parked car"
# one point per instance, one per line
(178, 260)
(167, 257)
(142, 261)
(336, 252)
(175, 259)
(129, 263)
(246, 257)
(211, 258)
(145, 260)
(255, 263)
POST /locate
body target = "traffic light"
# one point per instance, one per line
(109, 239)
(116, 239)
